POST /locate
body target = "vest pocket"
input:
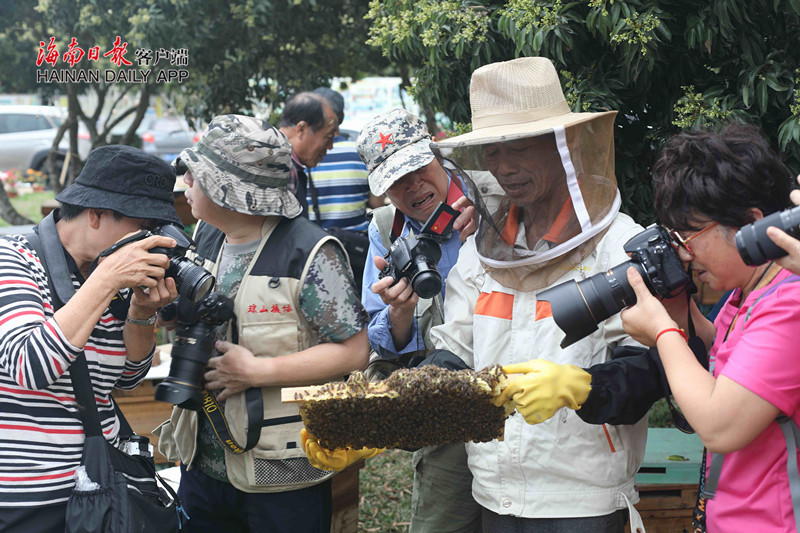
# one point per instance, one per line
(279, 337)
(281, 465)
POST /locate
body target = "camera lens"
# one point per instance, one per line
(755, 247)
(194, 282)
(427, 284)
(579, 306)
(190, 353)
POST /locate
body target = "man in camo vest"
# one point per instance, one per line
(298, 322)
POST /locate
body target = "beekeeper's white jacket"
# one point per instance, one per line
(563, 467)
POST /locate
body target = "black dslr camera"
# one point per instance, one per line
(415, 256)
(755, 247)
(193, 281)
(579, 306)
(192, 348)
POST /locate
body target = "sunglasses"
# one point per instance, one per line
(678, 239)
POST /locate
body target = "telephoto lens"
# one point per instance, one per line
(578, 306)
(755, 247)
(193, 347)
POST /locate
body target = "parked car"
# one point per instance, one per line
(27, 133)
(166, 136)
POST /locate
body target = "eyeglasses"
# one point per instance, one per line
(678, 239)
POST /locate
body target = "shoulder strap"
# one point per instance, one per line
(792, 435)
(791, 279)
(51, 254)
(384, 218)
(48, 247)
(312, 190)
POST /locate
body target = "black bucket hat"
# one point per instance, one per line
(126, 180)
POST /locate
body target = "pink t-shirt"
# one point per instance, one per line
(764, 358)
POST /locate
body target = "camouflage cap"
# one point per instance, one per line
(243, 164)
(393, 145)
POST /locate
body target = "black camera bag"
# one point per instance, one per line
(130, 498)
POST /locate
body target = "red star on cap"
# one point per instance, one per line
(384, 141)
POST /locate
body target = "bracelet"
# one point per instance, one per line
(146, 322)
(676, 330)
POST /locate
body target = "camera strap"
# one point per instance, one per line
(219, 425)
(254, 408)
(44, 240)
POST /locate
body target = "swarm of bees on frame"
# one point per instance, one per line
(412, 408)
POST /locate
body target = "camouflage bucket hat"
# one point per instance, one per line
(393, 145)
(243, 164)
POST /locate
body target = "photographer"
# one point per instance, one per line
(120, 191)
(395, 147)
(297, 322)
(558, 220)
(708, 185)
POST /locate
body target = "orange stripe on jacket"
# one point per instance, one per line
(610, 442)
(543, 310)
(496, 304)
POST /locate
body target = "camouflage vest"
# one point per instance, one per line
(269, 325)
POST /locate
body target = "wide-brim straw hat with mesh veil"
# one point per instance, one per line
(243, 164)
(520, 99)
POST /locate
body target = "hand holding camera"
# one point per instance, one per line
(648, 317)
(786, 239)
(414, 257)
(394, 293)
(129, 262)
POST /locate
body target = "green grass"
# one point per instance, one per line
(30, 205)
(385, 490)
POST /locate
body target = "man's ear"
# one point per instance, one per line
(302, 129)
(94, 216)
(755, 214)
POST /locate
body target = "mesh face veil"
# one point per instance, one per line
(544, 198)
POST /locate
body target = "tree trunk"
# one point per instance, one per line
(73, 107)
(8, 213)
(144, 102)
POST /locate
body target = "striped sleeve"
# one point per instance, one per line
(33, 350)
(134, 372)
(41, 434)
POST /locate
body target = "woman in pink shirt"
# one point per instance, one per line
(708, 185)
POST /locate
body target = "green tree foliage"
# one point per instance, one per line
(665, 65)
(267, 50)
(241, 52)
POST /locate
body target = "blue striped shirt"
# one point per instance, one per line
(342, 186)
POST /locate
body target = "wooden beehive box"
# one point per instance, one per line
(668, 480)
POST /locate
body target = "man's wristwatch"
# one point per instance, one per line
(146, 322)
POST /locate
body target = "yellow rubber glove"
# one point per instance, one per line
(544, 388)
(337, 459)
